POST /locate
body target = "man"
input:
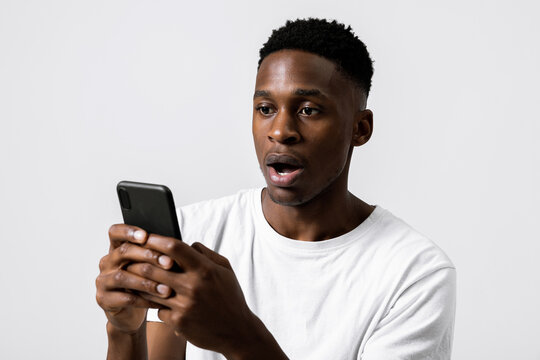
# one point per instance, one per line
(302, 268)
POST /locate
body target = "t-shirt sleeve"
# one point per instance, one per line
(420, 324)
(151, 315)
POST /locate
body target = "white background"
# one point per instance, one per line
(93, 92)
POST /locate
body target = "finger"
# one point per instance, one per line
(172, 319)
(177, 302)
(116, 300)
(212, 255)
(187, 257)
(164, 315)
(174, 280)
(128, 252)
(120, 233)
(121, 279)
(157, 300)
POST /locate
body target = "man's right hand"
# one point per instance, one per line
(117, 288)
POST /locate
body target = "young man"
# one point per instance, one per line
(302, 268)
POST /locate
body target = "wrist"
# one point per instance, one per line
(257, 344)
(126, 345)
(115, 332)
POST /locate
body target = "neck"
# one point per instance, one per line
(332, 213)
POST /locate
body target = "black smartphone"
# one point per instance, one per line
(150, 207)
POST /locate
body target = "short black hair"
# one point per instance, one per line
(331, 40)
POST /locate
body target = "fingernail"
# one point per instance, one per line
(162, 289)
(164, 260)
(139, 235)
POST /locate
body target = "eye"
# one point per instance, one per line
(265, 110)
(308, 111)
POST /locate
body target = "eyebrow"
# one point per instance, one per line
(261, 93)
(308, 92)
(297, 92)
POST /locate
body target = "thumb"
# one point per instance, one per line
(212, 255)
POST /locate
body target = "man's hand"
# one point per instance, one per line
(125, 309)
(207, 305)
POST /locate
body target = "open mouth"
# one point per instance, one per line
(283, 170)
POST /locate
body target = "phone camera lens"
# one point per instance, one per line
(124, 198)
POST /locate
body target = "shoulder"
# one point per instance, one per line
(416, 288)
(403, 243)
(406, 255)
(207, 218)
(210, 210)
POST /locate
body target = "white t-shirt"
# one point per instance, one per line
(382, 291)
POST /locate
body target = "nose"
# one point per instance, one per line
(284, 128)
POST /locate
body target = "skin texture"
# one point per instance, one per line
(125, 310)
(304, 110)
(125, 248)
(203, 304)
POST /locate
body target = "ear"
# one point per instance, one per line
(363, 127)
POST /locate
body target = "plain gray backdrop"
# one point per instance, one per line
(94, 92)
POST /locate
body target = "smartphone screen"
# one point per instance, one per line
(150, 207)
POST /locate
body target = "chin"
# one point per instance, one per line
(286, 197)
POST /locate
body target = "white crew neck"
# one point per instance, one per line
(310, 246)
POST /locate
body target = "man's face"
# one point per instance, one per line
(303, 125)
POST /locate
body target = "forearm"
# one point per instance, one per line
(127, 346)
